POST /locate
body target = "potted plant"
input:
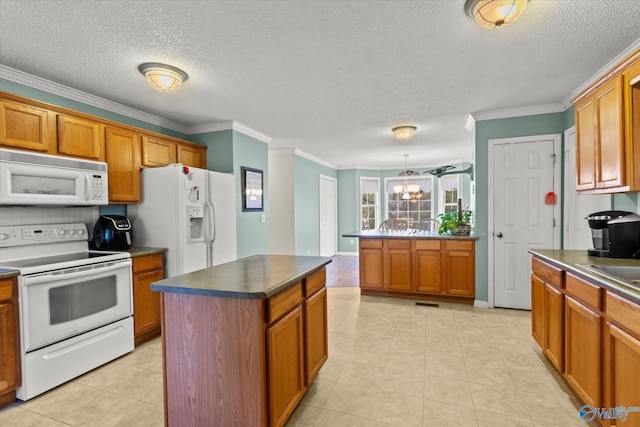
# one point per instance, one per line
(455, 222)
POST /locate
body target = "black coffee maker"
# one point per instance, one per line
(615, 234)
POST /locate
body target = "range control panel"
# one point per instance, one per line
(21, 235)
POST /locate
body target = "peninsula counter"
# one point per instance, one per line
(429, 266)
(242, 341)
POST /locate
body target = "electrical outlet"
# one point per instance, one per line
(263, 218)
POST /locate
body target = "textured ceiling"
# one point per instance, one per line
(330, 78)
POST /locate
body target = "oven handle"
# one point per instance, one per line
(72, 273)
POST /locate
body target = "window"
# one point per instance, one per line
(370, 190)
(413, 209)
(449, 193)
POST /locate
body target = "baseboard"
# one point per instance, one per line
(348, 253)
(480, 304)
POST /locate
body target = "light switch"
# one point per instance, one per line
(263, 218)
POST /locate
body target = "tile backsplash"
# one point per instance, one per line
(31, 215)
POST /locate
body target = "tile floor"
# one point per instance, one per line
(391, 363)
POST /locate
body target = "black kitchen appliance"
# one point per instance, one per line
(624, 237)
(601, 233)
(112, 232)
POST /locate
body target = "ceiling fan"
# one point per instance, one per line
(444, 170)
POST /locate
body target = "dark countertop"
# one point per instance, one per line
(138, 252)
(571, 260)
(375, 234)
(6, 273)
(255, 277)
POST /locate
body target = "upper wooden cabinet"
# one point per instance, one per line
(27, 127)
(192, 155)
(122, 148)
(607, 160)
(79, 137)
(157, 151)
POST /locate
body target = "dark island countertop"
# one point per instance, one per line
(375, 234)
(6, 273)
(573, 261)
(255, 277)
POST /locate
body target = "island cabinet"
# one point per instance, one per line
(146, 304)
(414, 267)
(608, 131)
(241, 357)
(589, 330)
(9, 342)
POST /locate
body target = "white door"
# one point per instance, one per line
(328, 216)
(523, 173)
(577, 234)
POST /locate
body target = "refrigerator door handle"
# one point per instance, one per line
(211, 237)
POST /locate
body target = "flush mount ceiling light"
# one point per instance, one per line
(162, 76)
(403, 132)
(494, 13)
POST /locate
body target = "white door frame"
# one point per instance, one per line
(557, 188)
(335, 212)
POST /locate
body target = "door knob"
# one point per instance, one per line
(499, 235)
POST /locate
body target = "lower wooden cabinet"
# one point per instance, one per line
(583, 351)
(146, 303)
(554, 326)
(285, 369)
(416, 267)
(9, 342)
(315, 334)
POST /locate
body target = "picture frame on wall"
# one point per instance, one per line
(252, 190)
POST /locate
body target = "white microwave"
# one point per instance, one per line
(41, 179)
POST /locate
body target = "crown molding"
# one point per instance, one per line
(314, 159)
(350, 167)
(227, 125)
(604, 70)
(48, 86)
(518, 112)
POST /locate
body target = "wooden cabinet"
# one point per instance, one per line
(255, 357)
(459, 268)
(146, 304)
(122, 148)
(28, 127)
(397, 265)
(621, 380)
(78, 137)
(161, 152)
(418, 267)
(285, 355)
(547, 310)
(428, 266)
(371, 264)
(157, 151)
(606, 153)
(9, 342)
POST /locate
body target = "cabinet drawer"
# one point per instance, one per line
(147, 262)
(314, 282)
(624, 313)
(6, 289)
(547, 272)
(452, 245)
(584, 291)
(371, 243)
(399, 244)
(429, 245)
(280, 304)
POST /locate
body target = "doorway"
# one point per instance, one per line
(328, 216)
(524, 213)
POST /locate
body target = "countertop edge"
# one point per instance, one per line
(615, 287)
(405, 235)
(267, 293)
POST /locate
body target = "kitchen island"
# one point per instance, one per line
(587, 323)
(242, 341)
(417, 265)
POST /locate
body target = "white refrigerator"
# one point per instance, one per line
(189, 211)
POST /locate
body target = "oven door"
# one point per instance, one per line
(64, 303)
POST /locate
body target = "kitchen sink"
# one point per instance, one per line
(629, 275)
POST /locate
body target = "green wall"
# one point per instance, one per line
(541, 124)
(219, 151)
(39, 95)
(307, 204)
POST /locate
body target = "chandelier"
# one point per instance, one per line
(408, 191)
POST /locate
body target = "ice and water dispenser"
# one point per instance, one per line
(196, 223)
